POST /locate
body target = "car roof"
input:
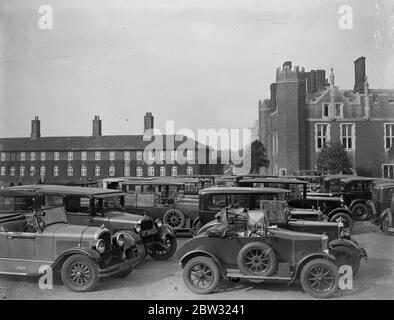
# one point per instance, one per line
(273, 180)
(67, 190)
(384, 183)
(242, 190)
(357, 178)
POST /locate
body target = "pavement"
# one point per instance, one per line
(163, 280)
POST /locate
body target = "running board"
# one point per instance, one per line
(243, 276)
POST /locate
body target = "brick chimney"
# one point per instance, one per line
(148, 121)
(359, 75)
(96, 127)
(35, 128)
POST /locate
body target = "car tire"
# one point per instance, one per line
(385, 224)
(201, 270)
(174, 218)
(124, 273)
(346, 219)
(315, 267)
(347, 256)
(257, 259)
(80, 273)
(161, 253)
(360, 211)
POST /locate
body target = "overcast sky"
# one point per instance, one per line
(203, 64)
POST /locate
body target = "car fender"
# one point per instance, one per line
(205, 253)
(388, 213)
(132, 234)
(372, 208)
(165, 230)
(130, 241)
(92, 254)
(357, 201)
(339, 210)
(344, 242)
(316, 255)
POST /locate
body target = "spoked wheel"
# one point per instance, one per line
(80, 273)
(174, 218)
(166, 250)
(257, 259)
(360, 211)
(201, 275)
(344, 218)
(319, 278)
(347, 256)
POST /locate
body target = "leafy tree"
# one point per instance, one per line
(333, 158)
(259, 156)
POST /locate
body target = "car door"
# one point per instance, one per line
(79, 210)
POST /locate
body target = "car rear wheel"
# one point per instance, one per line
(344, 218)
(80, 273)
(319, 278)
(347, 256)
(201, 275)
(360, 211)
(166, 251)
(174, 218)
(257, 259)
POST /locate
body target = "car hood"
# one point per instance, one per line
(116, 217)
(75, 232)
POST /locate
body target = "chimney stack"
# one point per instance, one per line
(96, 127)
(35, 128)
(359, 75)
(148, 122)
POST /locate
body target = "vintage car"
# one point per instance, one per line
(96, 207)
(381, 206)
(244, 246)
(216, 202)
(82, 254)
(355, 190)
(193, 184)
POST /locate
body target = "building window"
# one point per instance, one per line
(43, 156)
(112, 155)
(70, 156)
(32, 156)
(12, 171)
(190, 155)
(97, 171)
(22, 171)
(163, 171)
(112, 171)
(70, 171)
(2, 171)
(388, 135)
(338, 110)
(325, 110)
(127, 171)
(97, 156)
(151, 155)
(127, 156)
(189, 170)
(174, 171)
(139, 172)
(139, 155)
(282, 172)
(322, 135)
(151, 171)
(388, 171)
(84, 155)
(32, 170)
(56, 156)
(162, 155)
(348, 136)
(23, 156)
(56, 171)
(3, 156)
(42, 170)
(84, 171)
(174, 156)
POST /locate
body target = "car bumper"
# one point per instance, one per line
(121, 266)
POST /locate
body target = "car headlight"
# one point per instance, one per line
(345, 234)
(100, 246)
(324, 242)
(138, 228)
(120, 240)
(159, 223)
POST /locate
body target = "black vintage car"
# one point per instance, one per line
(244, 246)
(333, 208)
(381, 206)
(96, 207)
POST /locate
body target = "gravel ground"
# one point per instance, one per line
(163, 280)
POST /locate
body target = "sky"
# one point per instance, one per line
(202, 64)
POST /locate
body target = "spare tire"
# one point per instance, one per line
(257, 259)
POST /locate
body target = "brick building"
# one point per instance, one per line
(79, 159)
(306, 110)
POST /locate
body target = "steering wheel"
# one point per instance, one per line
(30, 227)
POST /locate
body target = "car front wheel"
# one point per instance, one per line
(166, 250)
(360, 211)
(347, 256)
(344, 218)
(80, 273)
(201, 275)
(174, 218)
(319, 278)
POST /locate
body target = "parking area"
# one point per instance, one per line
(163, 280)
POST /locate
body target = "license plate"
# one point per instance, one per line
(149, 232)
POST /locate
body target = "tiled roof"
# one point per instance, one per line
(114, 142)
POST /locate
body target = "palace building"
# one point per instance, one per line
(81, 159)
(306, 110)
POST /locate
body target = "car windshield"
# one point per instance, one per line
(109, 203)
(53, 215)
(12, 204)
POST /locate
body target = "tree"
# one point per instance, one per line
(259, 157)
(333, 159)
